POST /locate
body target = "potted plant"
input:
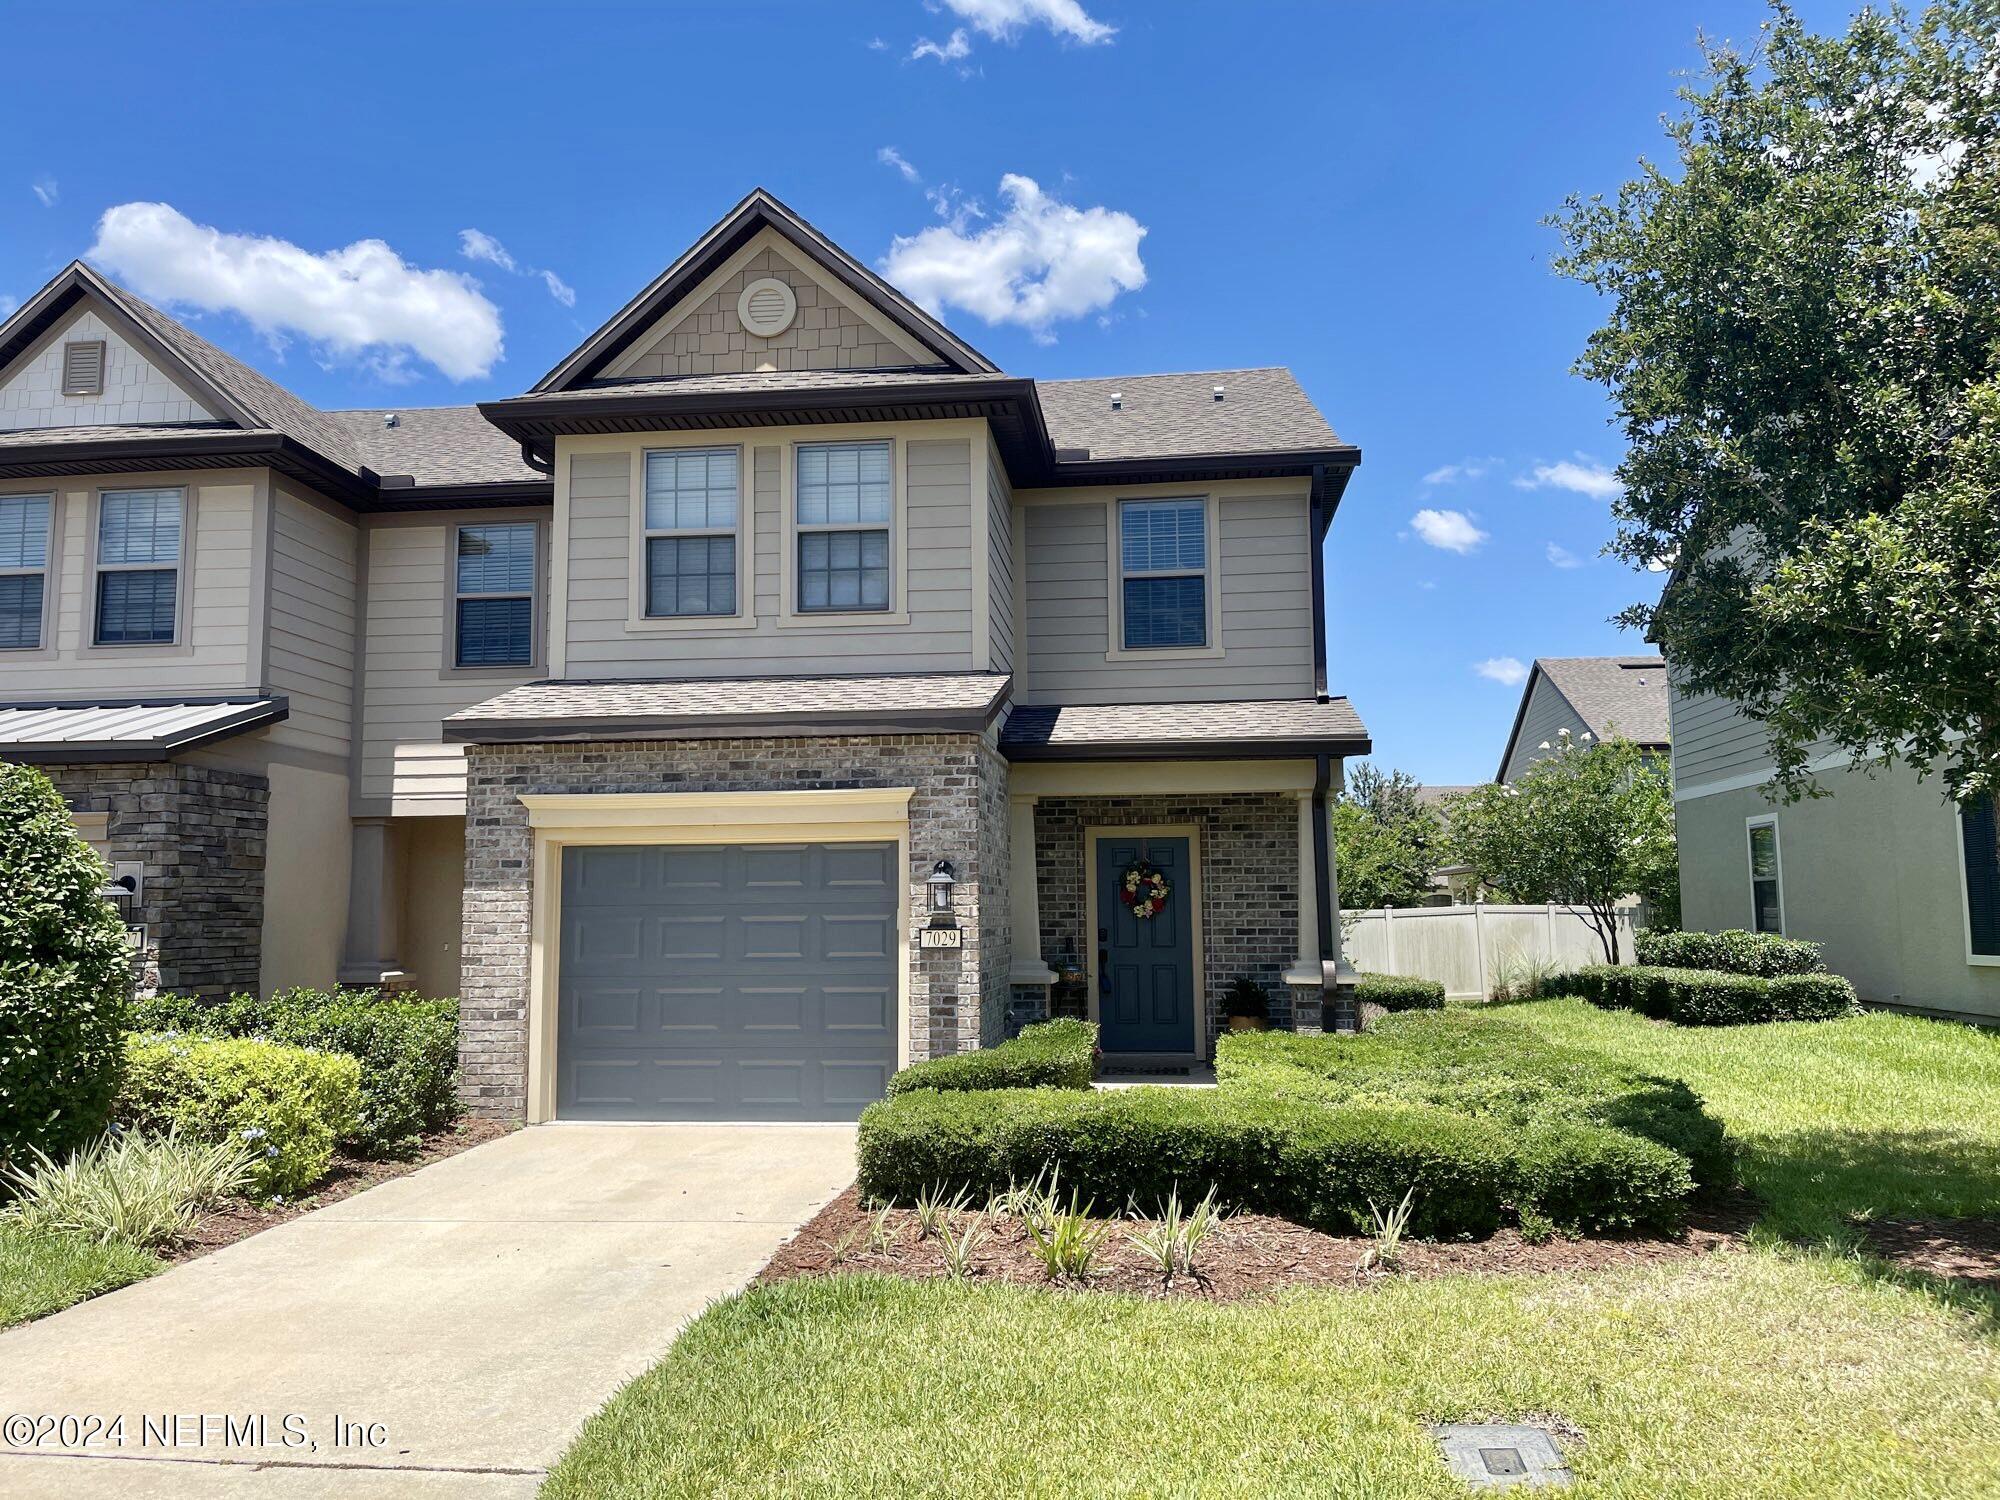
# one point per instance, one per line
(1246, 1005)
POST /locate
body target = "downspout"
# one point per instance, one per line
(1338, 1010)
(532, 457)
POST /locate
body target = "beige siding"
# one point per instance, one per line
(216, 587)
(999, 563)
(310, 652)
(406, 688)
(305, 877)
(709, 339)
(1549, 713)
(937, 534)
(1713, 740)
(1264, 575)
(134, 391)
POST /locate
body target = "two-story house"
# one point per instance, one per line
(776, 693)
(1587, 698)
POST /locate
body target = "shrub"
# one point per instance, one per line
(1710, 997)
(144, 1191)
(1764, 954)
(407, 1048)
(1058, 1054)
(291, 1103)
(1394, 992)
(65, 976)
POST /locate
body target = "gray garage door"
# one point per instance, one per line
(726, 982)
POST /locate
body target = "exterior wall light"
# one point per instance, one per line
(938, 886)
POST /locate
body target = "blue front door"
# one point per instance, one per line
(1145, 968)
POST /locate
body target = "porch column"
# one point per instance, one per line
(373, 951)
(1028, 968)
(1305, 968)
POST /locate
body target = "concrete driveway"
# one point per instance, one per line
(442, 1335)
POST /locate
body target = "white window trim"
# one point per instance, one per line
(1115, 586)
(745, 616)
(452, 665)
(898, 613)
(46, 572)
(183, 569)
(1975, 960)
(1770, 821)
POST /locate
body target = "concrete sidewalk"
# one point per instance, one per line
(444, 1334)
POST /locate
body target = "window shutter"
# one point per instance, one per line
(1981, 831)
(83, 368)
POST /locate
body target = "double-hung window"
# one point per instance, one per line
(1767, 895)
(846, 503)
(24, 569)
(493, 603)
(1163, 573)
(139, 536)
(693, 506)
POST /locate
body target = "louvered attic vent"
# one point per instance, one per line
(767, 307)
(83, 368)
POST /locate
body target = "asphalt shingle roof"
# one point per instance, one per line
(1622, 694)
(768, 705)
(41, 437)
(1160, 416)
(435, 445)
(1300, 725)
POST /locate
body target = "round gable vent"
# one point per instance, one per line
(767, 308)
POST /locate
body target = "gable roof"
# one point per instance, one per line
(1621, 695)
(760, 210)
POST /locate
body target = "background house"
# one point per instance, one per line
(1603, 696)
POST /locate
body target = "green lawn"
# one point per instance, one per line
(42, 1273)
(1779, 1371)
(1882, 1116)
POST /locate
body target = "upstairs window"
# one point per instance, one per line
(138, 566)
(1163, 572)
(1980, 830)
(1767, 895)
(494, 595)
(693, 508)
(846, 502)
(24, 569)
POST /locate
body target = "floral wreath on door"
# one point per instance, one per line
(1144, 889)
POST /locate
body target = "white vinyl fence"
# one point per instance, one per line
(1470, 947)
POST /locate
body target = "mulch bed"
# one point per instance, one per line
(1249, 1255)
(239, 1218)
(1962, 1250)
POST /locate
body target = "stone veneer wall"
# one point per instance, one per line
(1249, 878)
(957, 996)
(201, 834)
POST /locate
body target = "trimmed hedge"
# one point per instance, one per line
(65, 976)
(1475, 1063)
(1058, 1054)
(407, 1048)
(292, 1102)
(1399, 992)
(1709, 997)
(1763, 954)
(1312, 1163)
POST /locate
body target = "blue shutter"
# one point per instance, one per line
(1981, 832)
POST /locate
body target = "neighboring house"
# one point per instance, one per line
(775, 694)
(1600, 696)
(1900, 884)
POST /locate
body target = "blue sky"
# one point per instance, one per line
(1354, 190)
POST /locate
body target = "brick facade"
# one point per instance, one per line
(201, 834)
(1249, 877)
(957, 812)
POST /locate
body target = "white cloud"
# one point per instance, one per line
(889, 156)
(1562, 557)
(360, 302)
(559, 289)
(1450, 529)
(46, 189)
(477, 244)
(1502, 669)
(1003, 20)
(1041, 262)
(1584, 478)
(1470, 469)
(954, 47)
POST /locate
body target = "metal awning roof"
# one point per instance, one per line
(127, 729)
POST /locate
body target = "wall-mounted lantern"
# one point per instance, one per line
(938, 888)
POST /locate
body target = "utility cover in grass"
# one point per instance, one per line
(1499, 1454)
